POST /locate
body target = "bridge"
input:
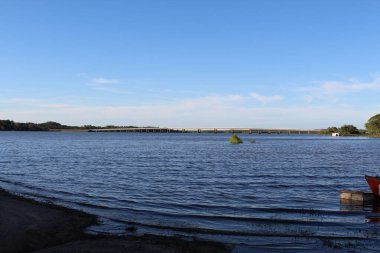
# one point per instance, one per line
(208, 130)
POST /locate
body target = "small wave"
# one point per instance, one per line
(61, 192)
(308, 222)
(310, 212)
(274, 210)
(197, 230)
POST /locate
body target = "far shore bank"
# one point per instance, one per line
(30, 226)
(138, 130)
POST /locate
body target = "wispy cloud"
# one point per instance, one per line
(337, 91)
(101, 80)
(350, 86)
(266, 99)
(115, 90)
(212, 111)
(104, 84)
(30, 102)
(216, 110)
(347, 86)
(27, 101)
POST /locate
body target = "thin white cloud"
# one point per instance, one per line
(104, 84)
(338, 87)
(57, 106)
(202, 112)
(101, 80)
(98, 80)
(208, 111)
(337, 92)
(266, 99)
(32, 103)
(114, 90)
(350, 86)
(28, 101)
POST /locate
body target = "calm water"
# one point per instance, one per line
(281, 192)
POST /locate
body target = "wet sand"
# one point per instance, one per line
(30, 226)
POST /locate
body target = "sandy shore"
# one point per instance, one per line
(30, 226)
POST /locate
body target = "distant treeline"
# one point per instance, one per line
(9, 125)
(344, 130)
(372, 128)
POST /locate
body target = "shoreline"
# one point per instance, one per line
(27, 225)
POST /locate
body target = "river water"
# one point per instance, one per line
(280, 193)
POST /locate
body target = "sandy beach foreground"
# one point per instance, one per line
(30, 226)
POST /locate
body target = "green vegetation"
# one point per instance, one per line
(9, 125)
(348, 130)
(345, 130)
(234, 139)
(372, 128)
(373, 125)
(330, 130)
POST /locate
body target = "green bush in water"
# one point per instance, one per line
(234, 139)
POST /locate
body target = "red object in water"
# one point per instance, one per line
(374, 184)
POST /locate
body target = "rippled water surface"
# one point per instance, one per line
(280, 192)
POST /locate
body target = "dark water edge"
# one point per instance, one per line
(278, 193)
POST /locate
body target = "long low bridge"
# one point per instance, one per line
(208, 130)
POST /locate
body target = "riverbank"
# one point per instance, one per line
(30, 226)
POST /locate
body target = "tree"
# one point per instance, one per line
(348, 130)
(330, 130)
(373, 125)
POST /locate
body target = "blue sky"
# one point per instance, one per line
(278, 64)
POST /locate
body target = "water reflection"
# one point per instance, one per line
(371, 208)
